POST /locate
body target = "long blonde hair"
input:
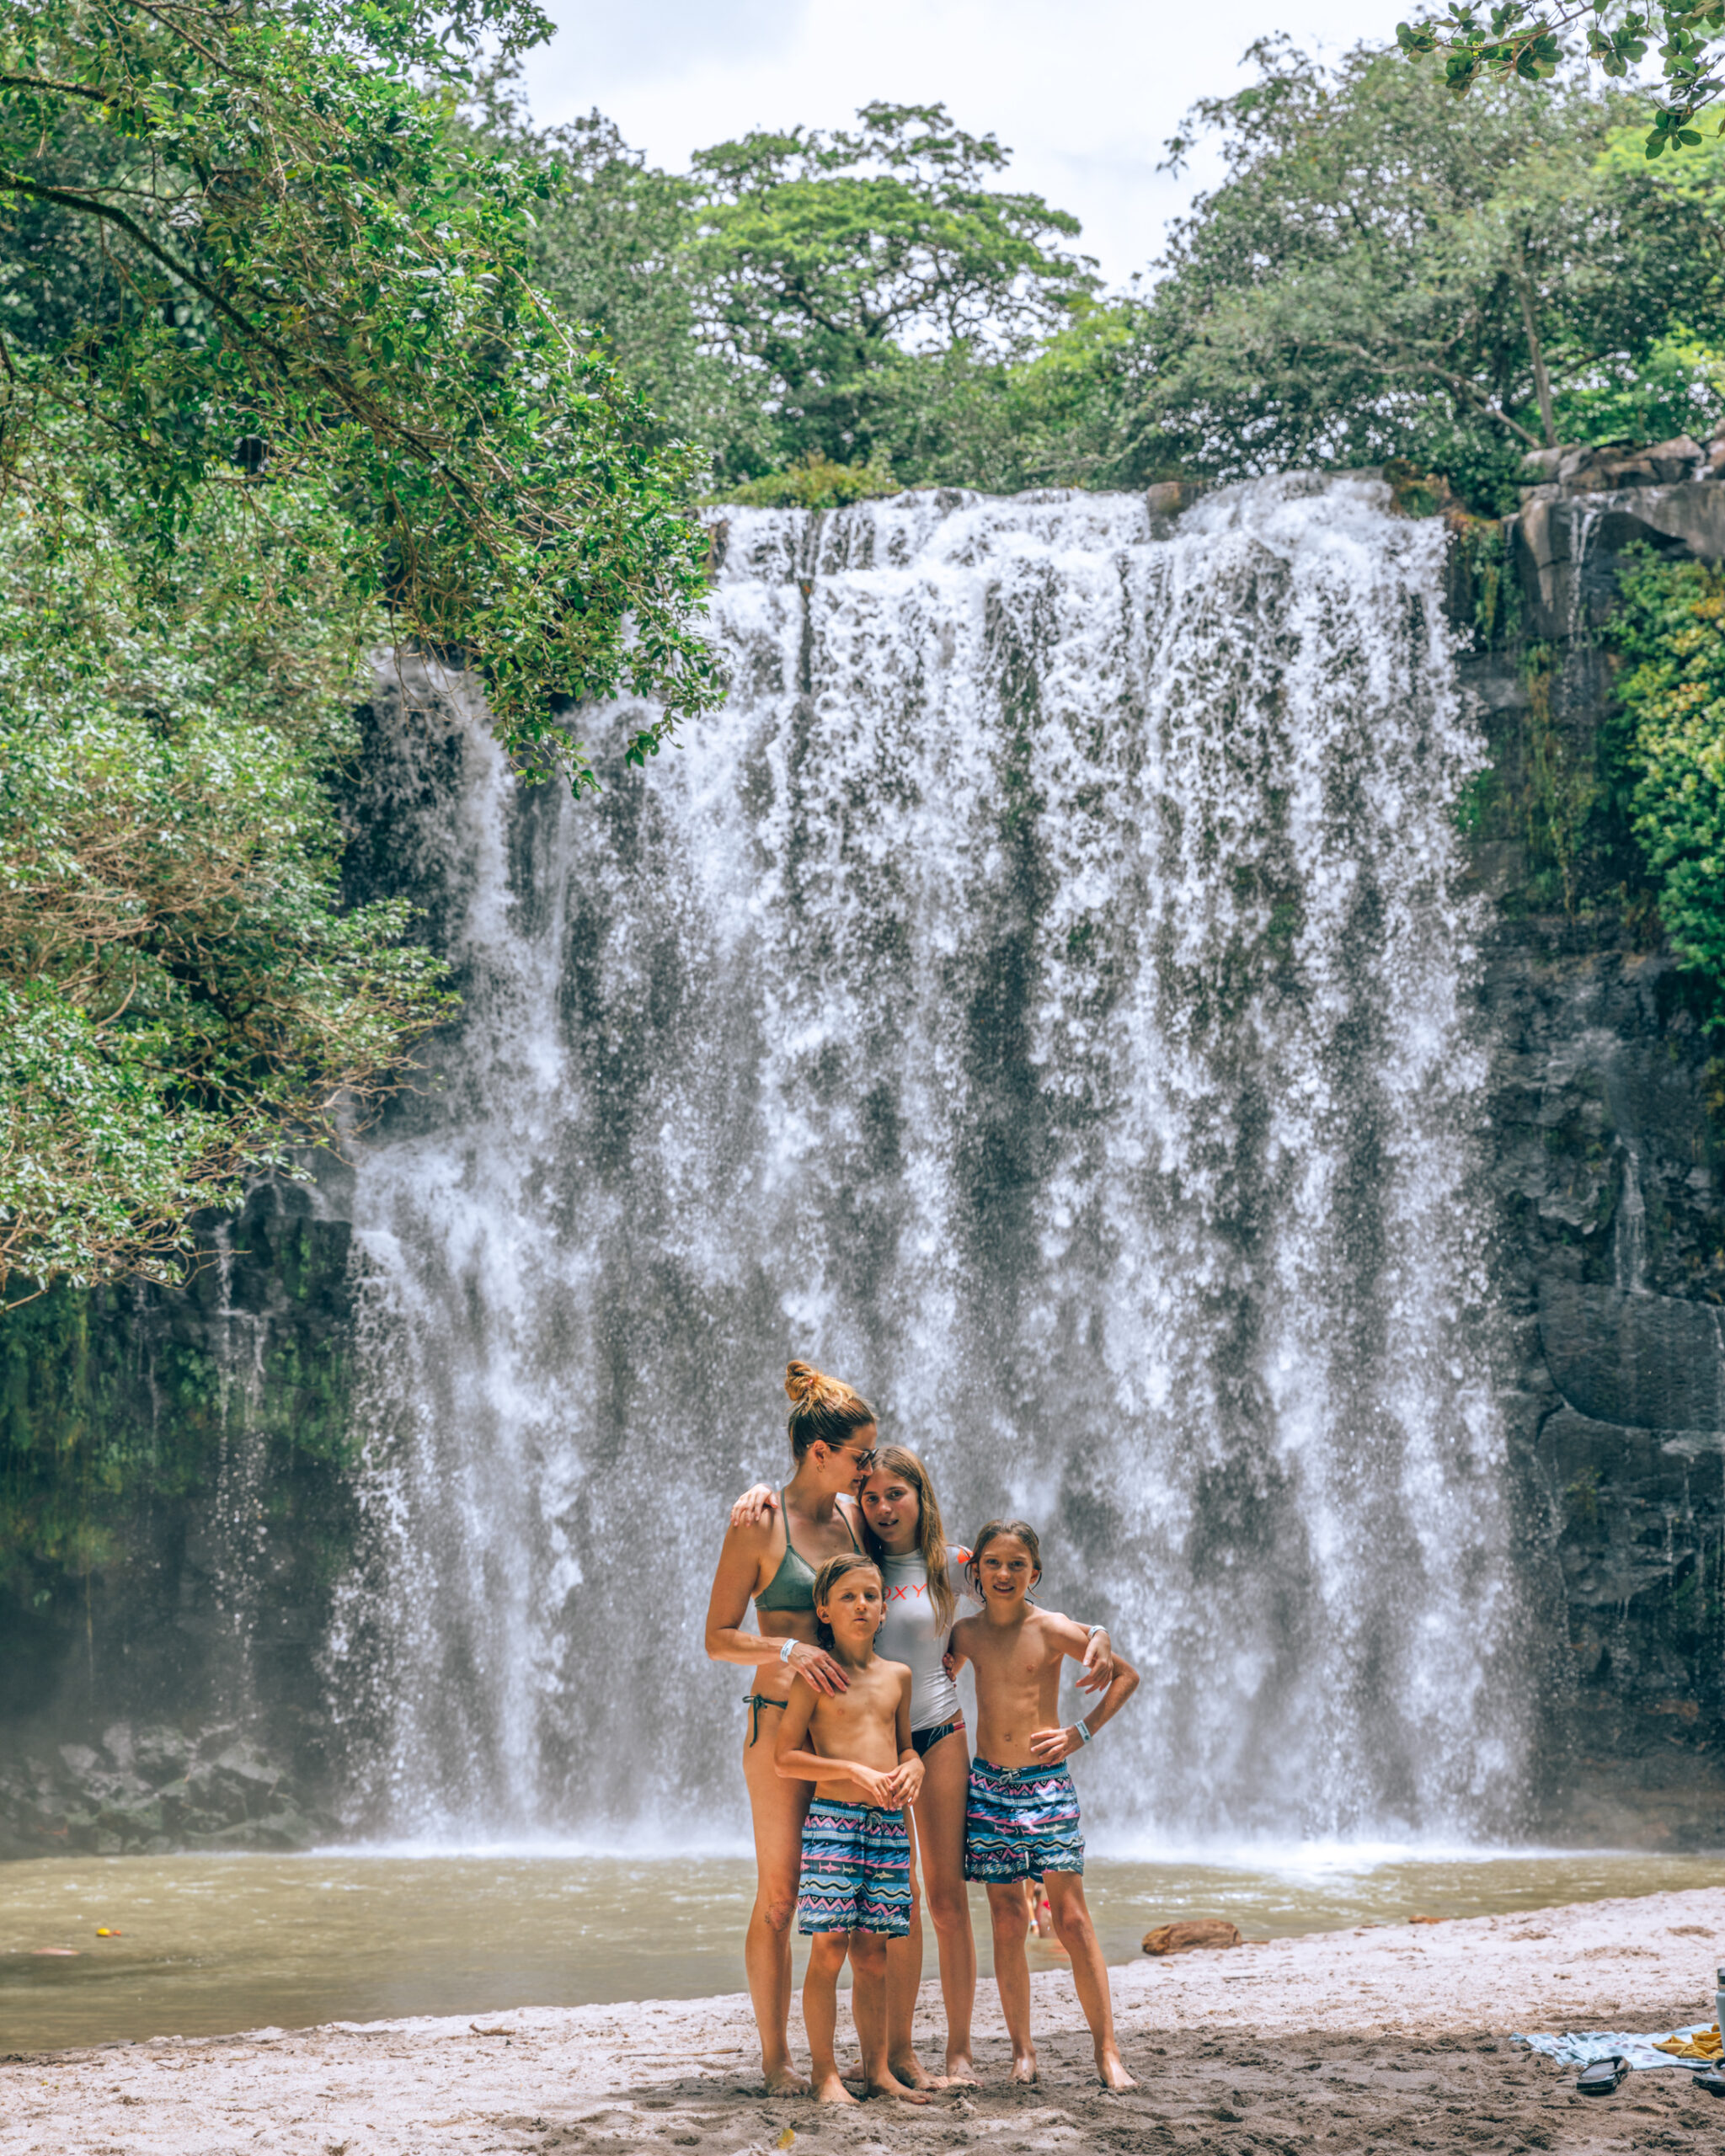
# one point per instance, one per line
(930, 1535)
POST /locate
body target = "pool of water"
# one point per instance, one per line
(205, 1944)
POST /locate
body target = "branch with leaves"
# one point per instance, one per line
(1515, 39)
(288, 259)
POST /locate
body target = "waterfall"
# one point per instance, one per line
(1042, 997)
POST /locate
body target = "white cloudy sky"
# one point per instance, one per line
(1085, 92)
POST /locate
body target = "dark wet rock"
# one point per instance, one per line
(1636, 1360)
(1608, 1169)
(231, 1794)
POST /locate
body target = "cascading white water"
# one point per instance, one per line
(1040, 996)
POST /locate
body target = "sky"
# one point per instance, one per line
(1086, 92)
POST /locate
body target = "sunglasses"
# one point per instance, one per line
(863, 1455)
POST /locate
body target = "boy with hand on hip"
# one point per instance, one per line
(1022, 1816)
(855, 1890)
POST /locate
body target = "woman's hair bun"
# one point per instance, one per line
(824, 1410)
(805, 1384)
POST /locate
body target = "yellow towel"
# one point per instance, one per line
(1705, 2043)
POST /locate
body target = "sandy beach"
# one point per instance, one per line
(1384, 2038)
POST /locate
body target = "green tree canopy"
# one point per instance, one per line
(247, 240)
(825, 262)
(1383, 274)
(839, 297)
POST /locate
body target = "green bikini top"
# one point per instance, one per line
(792, 1586)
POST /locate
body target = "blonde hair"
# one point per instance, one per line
(822, 1410)
(930, 1535)
(828, 1577)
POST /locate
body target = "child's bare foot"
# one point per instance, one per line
(960, 2073)
(889, 2084)
(911, 2071)
(832, 2091)
(1114, 2074)
(1024, 2069)
(785, 2081)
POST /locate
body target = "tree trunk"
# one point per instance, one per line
(1541, 380)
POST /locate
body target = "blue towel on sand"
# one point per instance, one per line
(1583, 2050)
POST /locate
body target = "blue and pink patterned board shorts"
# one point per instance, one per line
(855, 1870)
(1020, 1822)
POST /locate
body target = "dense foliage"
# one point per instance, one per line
(275, 390)
(1384, 272)
(308, 339)
(245, 239)
(854, 298)
(1670, 628)
(181, 992)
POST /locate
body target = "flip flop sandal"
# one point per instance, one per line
(1712, 2080)
(1604, 2077)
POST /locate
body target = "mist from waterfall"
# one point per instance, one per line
(1042, 997)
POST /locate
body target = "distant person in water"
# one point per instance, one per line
(1021, 1819)
(773, 1560)
(854, 1891)
(1041, 1916)
(927, 1582)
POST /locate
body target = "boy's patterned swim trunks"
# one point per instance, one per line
(1020, 1822)
(855, 1870)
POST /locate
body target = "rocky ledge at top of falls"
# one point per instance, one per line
(152, 1789)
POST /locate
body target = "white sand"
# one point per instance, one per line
(659, 2073)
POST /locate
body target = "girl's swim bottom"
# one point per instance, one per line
(855, 1870)
(1020, 1822)
(923, 1740)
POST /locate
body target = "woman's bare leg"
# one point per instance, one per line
(940, 1835)
(820, 2013)
(1090, 1972)
(778, 1808)
(904, 1979)
(1011, 1972)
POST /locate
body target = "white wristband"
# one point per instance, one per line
(784, 1652)
(1081, 1729)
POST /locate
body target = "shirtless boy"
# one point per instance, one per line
(1021, 1817)
(855, 1892)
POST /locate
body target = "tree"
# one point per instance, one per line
(247, 241)
(830, 270)
(182, 997)
(1382, 275)
(611, 250)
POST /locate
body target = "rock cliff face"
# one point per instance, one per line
(1605, 1127)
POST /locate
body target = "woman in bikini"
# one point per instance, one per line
(925, 1582)
(772, 1558)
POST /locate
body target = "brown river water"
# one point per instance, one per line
(208, 1944)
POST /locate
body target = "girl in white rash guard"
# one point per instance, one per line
(902, 1532)
(925, 1587)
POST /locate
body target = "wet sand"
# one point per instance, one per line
(1389, 2038)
